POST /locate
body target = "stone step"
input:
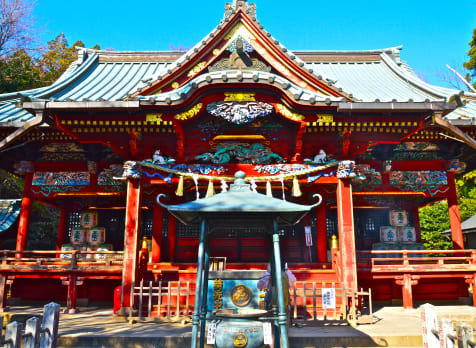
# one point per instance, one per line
(294, 342)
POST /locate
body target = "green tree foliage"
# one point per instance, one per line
(43, 229)
(57, 59)
(467, 194)
(434, 219)
(19, 72)
(471, 63)
(11, 186)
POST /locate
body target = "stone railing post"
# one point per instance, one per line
(13, 335)
(32, 333)
(446, 328)
(464, 332)
(49, 326)
(430, 324)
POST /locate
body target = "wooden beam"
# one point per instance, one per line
(437, 120)
(28, 126)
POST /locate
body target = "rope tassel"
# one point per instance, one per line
(210, 190)
(179, 191)
(269, 191)
(296, 189)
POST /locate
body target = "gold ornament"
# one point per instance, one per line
(284, 111)
(210, 190)
(296, 189)
(190, 113)
(269, 191)
(179, 191)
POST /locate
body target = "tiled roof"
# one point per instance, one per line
(468, 226)
(110, 76)
(9, 211)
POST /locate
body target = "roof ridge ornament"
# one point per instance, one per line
(231, 8)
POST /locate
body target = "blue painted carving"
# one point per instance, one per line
(346, 170)
(311, 179)
(193, 168)
(280, 168)
(48, 190)
(61, 178)
(418, 178)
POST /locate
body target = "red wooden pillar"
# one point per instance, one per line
(453, 209)
(25, 213)
(131, 240)
(407, 281)
(63, 225)
(72, 294)
(157, 226)
(472, 280)
(172, 236)
(321, 233)
(345, 224)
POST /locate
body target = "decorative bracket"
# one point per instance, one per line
(316, 195)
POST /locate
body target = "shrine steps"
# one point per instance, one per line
(174, 342)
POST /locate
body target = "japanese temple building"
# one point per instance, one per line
(358, 128)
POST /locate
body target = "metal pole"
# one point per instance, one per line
(198, 286)
(204, 298)
(273, 298)
(282, 318)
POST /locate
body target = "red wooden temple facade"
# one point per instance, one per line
(358, 128)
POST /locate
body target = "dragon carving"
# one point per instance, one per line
(241, 153)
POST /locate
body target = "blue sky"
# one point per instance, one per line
(433, 33)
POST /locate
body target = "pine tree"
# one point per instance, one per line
(471, 63)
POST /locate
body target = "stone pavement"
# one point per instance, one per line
(94, 327)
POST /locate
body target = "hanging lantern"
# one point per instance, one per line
(179, 191)
(211, 189)
(269, 191)
(296, 189)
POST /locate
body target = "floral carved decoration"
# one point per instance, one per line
(190, 113)
(106, 177)
(284, 111)
(61, 178)
(418, 178)
(47, 183)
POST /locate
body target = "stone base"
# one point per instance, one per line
(71, 311)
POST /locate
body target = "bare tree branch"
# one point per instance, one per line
(16, 26)
(461, 78)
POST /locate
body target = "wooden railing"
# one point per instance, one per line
(163, 300)
(425, 259)
(11, 260)
(308, 302)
